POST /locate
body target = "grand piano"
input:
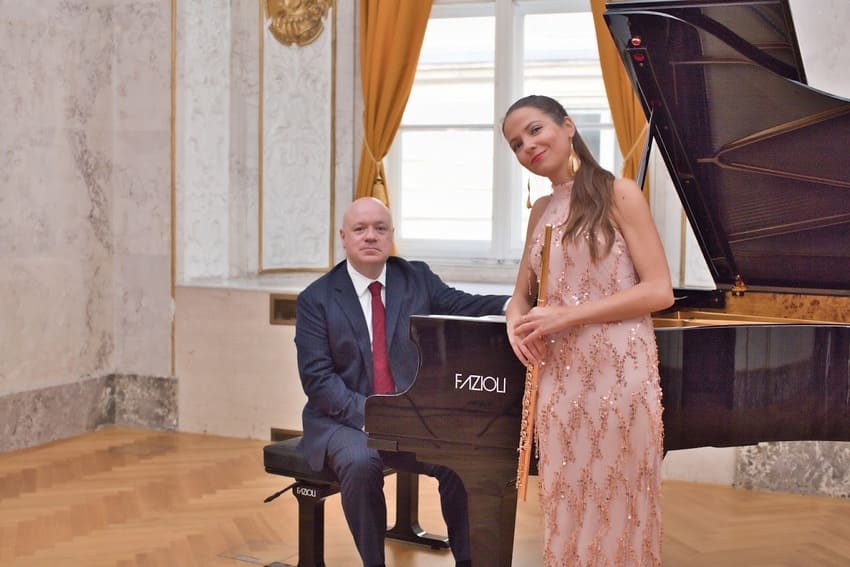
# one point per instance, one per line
(759, 161)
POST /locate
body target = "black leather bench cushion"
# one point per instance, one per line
(285, 459)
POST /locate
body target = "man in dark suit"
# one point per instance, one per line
(334, 334)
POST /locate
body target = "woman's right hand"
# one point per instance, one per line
(529, 352)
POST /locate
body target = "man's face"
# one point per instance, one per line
(367, 236)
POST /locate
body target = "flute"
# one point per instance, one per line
(529, 397)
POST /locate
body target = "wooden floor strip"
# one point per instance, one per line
(128, 497)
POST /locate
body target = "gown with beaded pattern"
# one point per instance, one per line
(598, 421)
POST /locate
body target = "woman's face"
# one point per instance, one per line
(540, 144)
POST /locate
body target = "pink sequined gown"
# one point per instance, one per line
(598, 415)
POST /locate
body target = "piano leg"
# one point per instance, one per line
(492, 545)
(491, 490)
(407, 526)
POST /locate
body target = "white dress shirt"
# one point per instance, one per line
(361, 288)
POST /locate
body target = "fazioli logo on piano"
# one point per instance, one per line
(478, 383)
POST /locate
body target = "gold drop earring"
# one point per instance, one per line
(528, 194)
(573, 161)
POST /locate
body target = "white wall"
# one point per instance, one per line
(824, 43)
(238, 374)
(85, 195)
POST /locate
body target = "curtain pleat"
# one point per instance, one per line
(391, 35)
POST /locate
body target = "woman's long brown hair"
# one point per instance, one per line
(593, 190)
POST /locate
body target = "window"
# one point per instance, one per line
(457, 191)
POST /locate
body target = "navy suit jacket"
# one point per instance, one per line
(335, 353)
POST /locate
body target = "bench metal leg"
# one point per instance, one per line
(311, 524)
(407, 526)
(311, 519)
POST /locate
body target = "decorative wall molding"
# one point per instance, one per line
(297, 154)
(297, 22)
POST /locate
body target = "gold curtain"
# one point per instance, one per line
(391, 34)
(626, 111)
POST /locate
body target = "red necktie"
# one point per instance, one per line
(380, 362)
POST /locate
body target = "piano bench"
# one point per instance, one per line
(312, 487)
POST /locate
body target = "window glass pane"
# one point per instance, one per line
(454, 78)
(445, 197)
(447, 177)
(559, 36)
(561, 61)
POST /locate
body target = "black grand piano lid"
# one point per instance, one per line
(760, 160)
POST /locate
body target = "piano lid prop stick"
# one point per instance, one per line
(529, 397)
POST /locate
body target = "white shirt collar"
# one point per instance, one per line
(361, 282)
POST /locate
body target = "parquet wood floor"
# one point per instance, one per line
(128, 497)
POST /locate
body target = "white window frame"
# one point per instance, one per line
(496, 260)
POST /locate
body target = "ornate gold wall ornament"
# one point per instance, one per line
(297, 21)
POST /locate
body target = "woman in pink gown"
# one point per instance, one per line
(598, 420)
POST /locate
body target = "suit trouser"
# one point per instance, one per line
(360, 471)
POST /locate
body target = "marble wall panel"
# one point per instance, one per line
(57, 124)
(809, 467)
(84, 188)
(243, 256)
(142, 187)
(142, 193)
(217, 229)
(142, 129)
(142, 401)
(142, 315)
(297, 159)
(56, 322)
(348, 126)
(57, 177)
(39, 416)
(56, 412)
(203, 137)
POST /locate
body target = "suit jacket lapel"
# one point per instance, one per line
(350, 305)
(394, 297)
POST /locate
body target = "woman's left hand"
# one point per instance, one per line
(536, 326)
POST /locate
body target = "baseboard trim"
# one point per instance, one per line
(35, 417)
